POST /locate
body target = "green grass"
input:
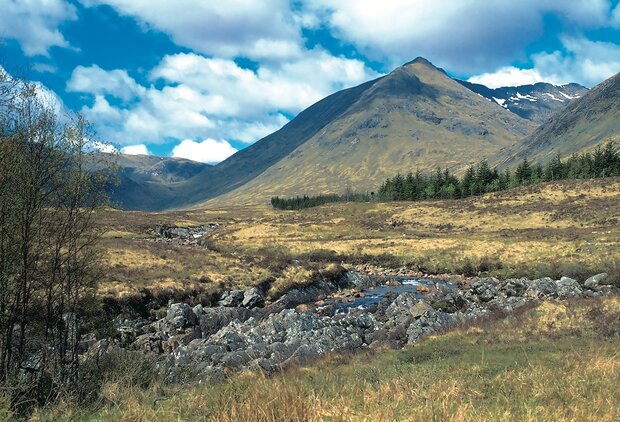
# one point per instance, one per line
(556, 362)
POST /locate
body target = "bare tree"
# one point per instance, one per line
(48, 260)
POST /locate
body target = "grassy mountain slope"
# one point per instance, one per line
(255, 159)
(415, 117)
(584, 124)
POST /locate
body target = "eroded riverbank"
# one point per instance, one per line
(354, 312)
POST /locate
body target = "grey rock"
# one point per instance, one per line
(364, 320)
(475, 310)
(567, 288)
(180, 315)
(595, 280)
(232, 298)
(253, 298)
(402, 305)
(484, 290)
(360, 281)
(508, 304)
(214, 319)
(419, 309)
(541, 287)
(514, 287)
(198, 310)
(235, 359)
(303, 354)
(429, 322)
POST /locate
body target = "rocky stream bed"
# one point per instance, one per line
(356, 311)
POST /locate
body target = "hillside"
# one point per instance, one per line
(584, 124)
(415, 117)
(536, 102)
(147, 182)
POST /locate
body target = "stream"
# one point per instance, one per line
(374, 295)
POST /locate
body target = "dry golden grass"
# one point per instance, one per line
(565, 228)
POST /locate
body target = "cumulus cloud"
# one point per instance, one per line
(468, 35)
(509, 76)
(94, 79)
(210, 151)
(34, 23)
(140, 149)
(583, 61)
(254, 29)
(192, 96)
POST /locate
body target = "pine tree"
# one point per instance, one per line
(523, 174)
(468, 183)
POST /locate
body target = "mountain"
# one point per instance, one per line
(536, 102)
(416, 117)
(581, 126)
(147, 182)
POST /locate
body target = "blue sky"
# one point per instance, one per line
(201, 79)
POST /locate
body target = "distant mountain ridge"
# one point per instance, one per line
(585, 123)
(535, 102)
(147, 182)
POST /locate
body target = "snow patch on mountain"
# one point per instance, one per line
(553, 97)
(526, 97)
(569, 97)
(500, 101)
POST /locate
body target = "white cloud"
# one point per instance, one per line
(140, 149)
(44, 68)
(34, 23)
(468, 35)
(209, 151)
(255, 29)
(582, 61)
(509, 76)
(95, 80)
(196, 97)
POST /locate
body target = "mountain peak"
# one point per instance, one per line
(419, 60)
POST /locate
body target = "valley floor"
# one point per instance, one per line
(569, 228)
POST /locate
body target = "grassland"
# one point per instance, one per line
(557, 362)
(565, 228)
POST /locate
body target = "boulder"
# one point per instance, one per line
(419, 309)
(231, 299)
(214, 319)
(567, 288)
(514, 287)
(541, 287)
(253, 298)
(595, 280)
(179, 315)
(403, 303)
(431, 321)
(484, 290)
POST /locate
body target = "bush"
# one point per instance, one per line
(101, 376)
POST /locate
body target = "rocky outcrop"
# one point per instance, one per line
(242, 333)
